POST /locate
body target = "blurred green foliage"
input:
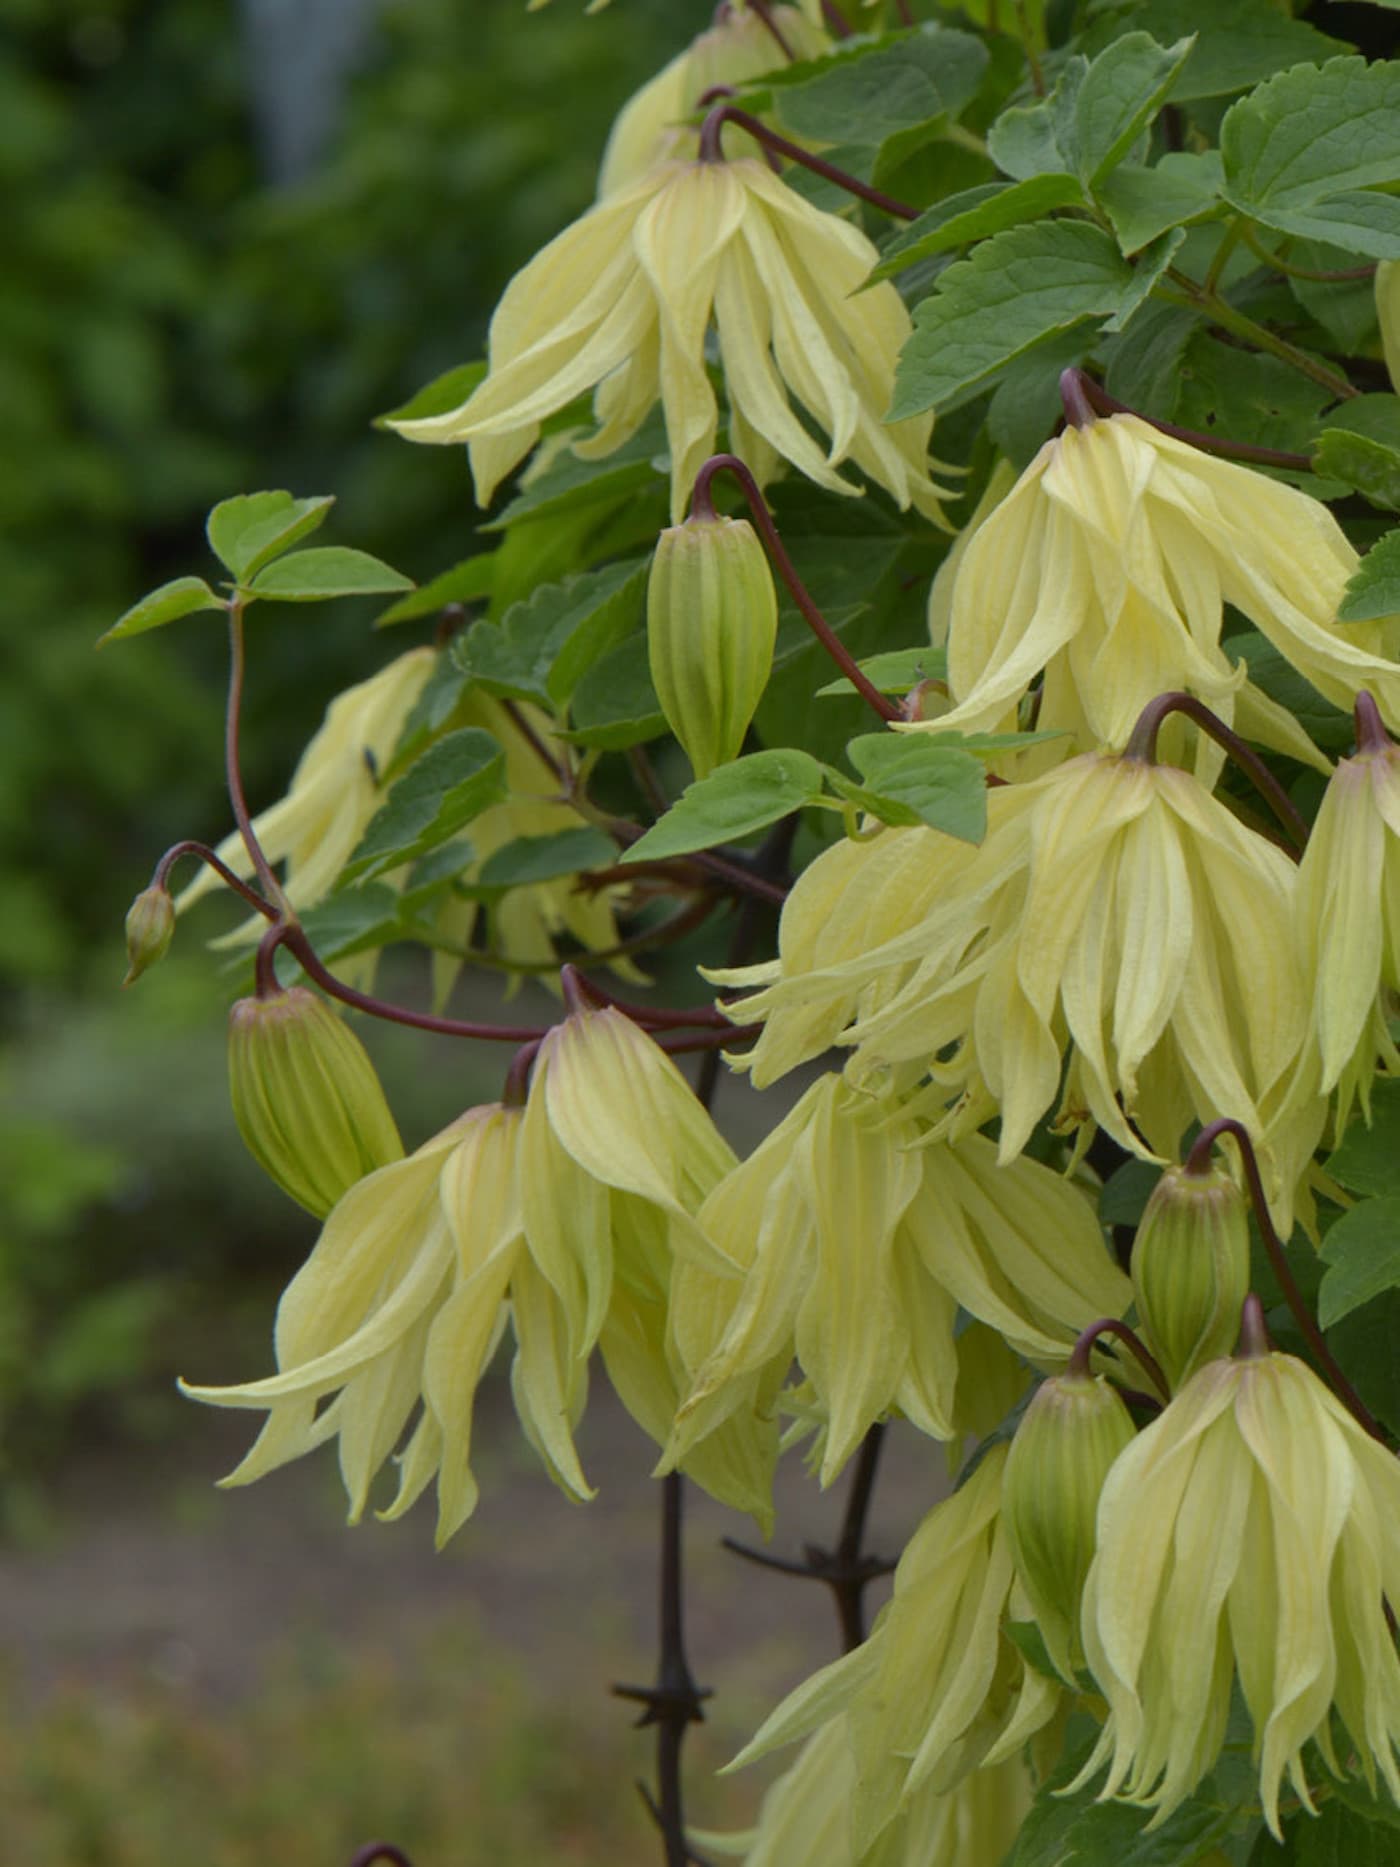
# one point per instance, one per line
(173, 329)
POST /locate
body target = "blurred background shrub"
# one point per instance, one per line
(232, 235)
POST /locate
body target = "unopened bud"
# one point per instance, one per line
(1190, 1269)
(150, 926)
(712, 616)
(1388, 313)
(1070, 1434)
(306, 1098)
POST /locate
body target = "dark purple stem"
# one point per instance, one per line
(1142, 744)
(760, 11)
(811, 615)
(1099, 401)
(1371, 735)
(161, 877)
(380, 1851)
(836, 22)
(233, 772)
(711, 150)
(1079, 1361)
(1278, 1259)
(1254, 1341)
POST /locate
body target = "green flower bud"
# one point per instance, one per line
(150, 926)
(711, 618)
(1190, 1269)
(306, 1098)
(1074, 1428)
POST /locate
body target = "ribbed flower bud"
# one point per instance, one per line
(1190, 1269)
(1070, 1434)
(306, 1097)
(150, 925)
(711, 618)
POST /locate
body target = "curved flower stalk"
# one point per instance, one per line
(526, 923)
(622, 301)
(560, 1220)
(806, 1815)
(938, 1691)
(334, 792)
(651, 129)
(1252, 1530)
(859, 1244)
(1118, 911)
(1107, 568)
(1349, 915)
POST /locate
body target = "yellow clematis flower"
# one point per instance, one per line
(1107, 569)
(1253, 1530)
(860, 1242)
(736, 47)
(938, 1691)
(334, 792)
(622, 302)
(1116, 910)
(560, 1220)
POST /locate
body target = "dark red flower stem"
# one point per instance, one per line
(703, 505)
(1196, 1162)
(763, 14)
(1142, 744)
(1090, 398)
(377, 1851)
(1079, 1362)
(233, 773)
(711, 150)
(1371, 735)
(836, 22)
(161, 876)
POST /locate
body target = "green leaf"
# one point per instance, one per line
(1029, 1642)
(1338, 1836)
(1148, 268)
(1354, 220)
(1026, 404)
(427, 717)
(1250, 398)
(466, 582)
(733, 801)
(1368, 1160)
(1364, 1343)
(1144, 364)
(1123, 90)
(940, 784)
(1325, 724)
(1039, 139)
(1012, 291)
(323, 572)
(1238, 42)
(569, 484)
(887, 86)
(430, 878)
(454, 781)
(615, 704)
(530, 859)
(1363, 1251)
(167, 604)
(1311, 133)
(438, 397)
(1371, 467)
(1126, 1192)
(1374, 589)
(1142, 203)
(1079, 1831)
(895, 672)
(247, 532)
(353, 920)
(544, 644)
(973, 215)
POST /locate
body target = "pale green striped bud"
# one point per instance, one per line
(711, 619)
(150, 926)
(306, 1097)
(1070, 1434)
(1190, 1269)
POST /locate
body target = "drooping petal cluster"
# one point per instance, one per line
(560, 1219)
(937, 1691)
(1106, 569)
(622, 301)
(860, 1242)
(1251, 1532)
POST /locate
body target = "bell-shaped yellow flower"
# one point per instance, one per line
(1107, 569)
(334, 792)
(622, 301)
(1115, 909)
(805, 1820)
(1349, 916)
(860, 1242)
(938, 1690)
(1253, 1530)
(736, 47)
(560, 1219)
